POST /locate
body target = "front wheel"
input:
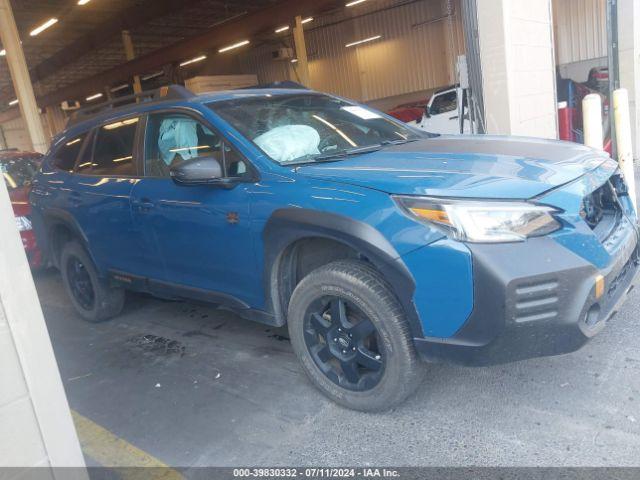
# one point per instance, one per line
(93, 298)
(350, 333)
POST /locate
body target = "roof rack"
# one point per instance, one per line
(170, 92)
(283, 84)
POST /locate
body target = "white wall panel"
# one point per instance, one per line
(418, 50)
(580, 30)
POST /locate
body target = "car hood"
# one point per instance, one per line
(465, 166)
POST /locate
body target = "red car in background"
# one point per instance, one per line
(18, 169)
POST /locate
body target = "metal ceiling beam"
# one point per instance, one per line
(129, 19)
(253, 24)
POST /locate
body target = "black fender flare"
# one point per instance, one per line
(288, 225)
(51, 218)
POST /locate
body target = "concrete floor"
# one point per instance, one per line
(230, 392)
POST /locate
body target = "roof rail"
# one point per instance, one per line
(283, 84)
(170, 92)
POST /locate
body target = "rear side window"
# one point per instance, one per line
(114, 149)
(66, 155)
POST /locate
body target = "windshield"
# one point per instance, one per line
(18, 173)
(310, 127)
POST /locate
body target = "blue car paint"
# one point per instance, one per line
(185, 238)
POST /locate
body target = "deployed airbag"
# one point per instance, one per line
(178, 136)
(289, 142)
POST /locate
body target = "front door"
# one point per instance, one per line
(443, 114)
(198, 236)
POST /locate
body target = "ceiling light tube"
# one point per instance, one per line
(355, 2)
(93, 97)
(120, 87)
(359, 42)
(193, 60)
(307, 20)
(235, 45)
(282, 29)
(43, 27)
(153, 75)
(83, 2)
(3, 52)
(13, 102)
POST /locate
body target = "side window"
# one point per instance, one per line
(172, 138)
(446, 102)
(67, 154)
(113, 150)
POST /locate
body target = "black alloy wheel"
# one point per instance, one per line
(80, 283)
(344, 344)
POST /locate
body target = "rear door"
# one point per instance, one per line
(100, 194)
(202, 233)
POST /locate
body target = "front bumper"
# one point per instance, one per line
(534, 299)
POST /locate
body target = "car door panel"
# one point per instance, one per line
(100, 195)
(199, 235)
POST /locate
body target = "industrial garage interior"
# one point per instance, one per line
(181, 323)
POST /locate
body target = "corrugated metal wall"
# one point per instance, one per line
(420, 44)
(581, 30)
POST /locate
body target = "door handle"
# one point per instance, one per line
(75, 199)
(144, 204)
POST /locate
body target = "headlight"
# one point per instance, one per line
(483, 221)
(23, 224)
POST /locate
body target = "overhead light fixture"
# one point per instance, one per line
(193, 60)
(153, 75)
(294, 60)
(282, 29)
(43, 27)
(3, 52)
(235, 45)
(307, 20)
(83, 2)
(120, 87)
(359, 42)
(94, 97)
(13, 102)
(355, 2)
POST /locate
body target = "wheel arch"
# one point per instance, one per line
(291, 229)
(59, 227)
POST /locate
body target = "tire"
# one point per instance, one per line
(387, 369)
(92, 297)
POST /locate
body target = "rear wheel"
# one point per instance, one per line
(349, 332)
(93, 298)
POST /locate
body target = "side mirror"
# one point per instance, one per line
(199, 171)
(427, 112)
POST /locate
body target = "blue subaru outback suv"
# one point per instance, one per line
(377, 244)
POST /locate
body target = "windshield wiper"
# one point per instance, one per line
(347, 153)
(333, 157)
(398, 142)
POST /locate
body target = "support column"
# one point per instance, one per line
(55, 119)
(302, 65)
(20, 76)
(37, 429)
(629, 54)
(518, 67)
(130, 55)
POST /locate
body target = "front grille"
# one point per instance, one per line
(601, 210)
(536, 301)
